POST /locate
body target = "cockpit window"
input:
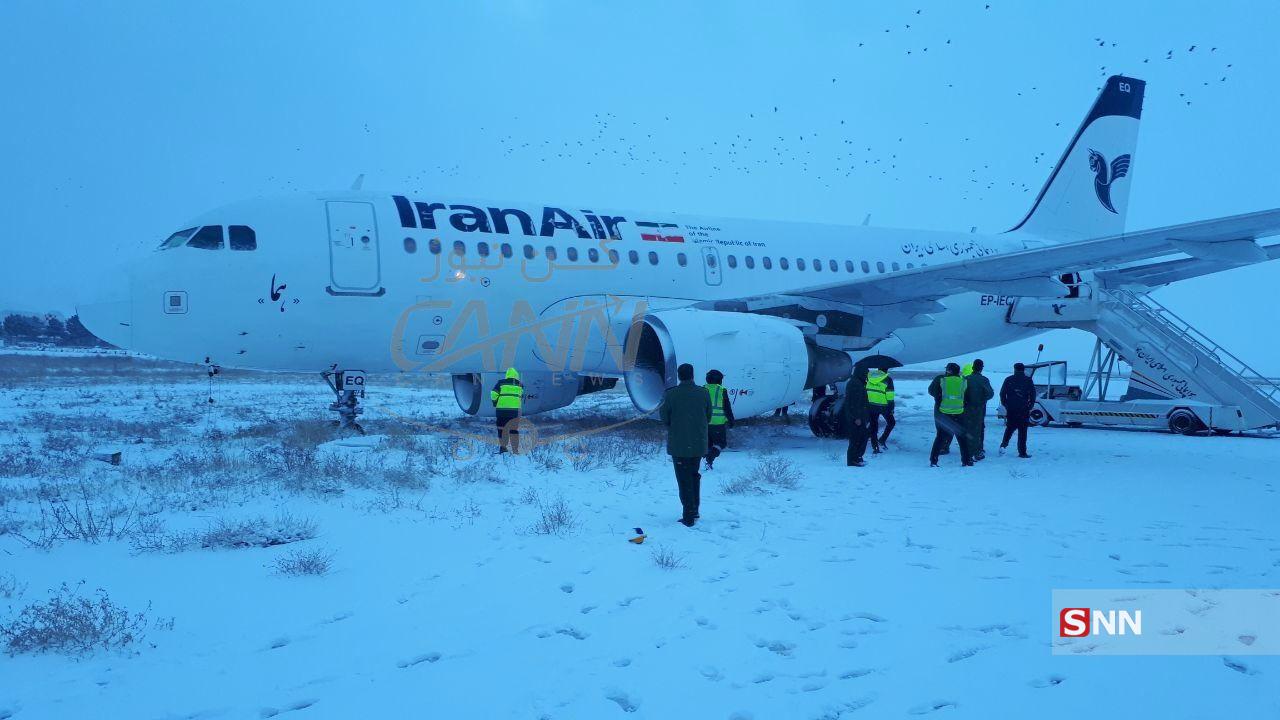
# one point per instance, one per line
(208, 238)
(177, 239)
(244, 238)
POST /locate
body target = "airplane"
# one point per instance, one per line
(577, 299)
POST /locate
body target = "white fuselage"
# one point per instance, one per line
(356, 280)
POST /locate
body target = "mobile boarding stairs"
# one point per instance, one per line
(1180, 378)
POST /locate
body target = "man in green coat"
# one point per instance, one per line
(686, 411)
(977, 392)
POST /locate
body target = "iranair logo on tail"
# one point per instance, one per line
(1104, 175)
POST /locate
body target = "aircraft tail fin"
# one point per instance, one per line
(1087, 194)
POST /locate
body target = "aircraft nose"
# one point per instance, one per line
(107, 311)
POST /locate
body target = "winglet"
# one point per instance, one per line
(358, 183)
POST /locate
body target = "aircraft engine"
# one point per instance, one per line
(766, 360)
(543, 391)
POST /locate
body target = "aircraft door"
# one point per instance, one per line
(711, 264)
(354, 265)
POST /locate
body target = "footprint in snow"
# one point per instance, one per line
(586, 609)
(572, 632)
(1047, 681)
(964, 654)
(1238, 666)
(711, 673)
(278, 643)
(566, 588)
(854, 674)
(271, 712)
(777, 647)
(624, 701)
(622, 662)
(430, 657)
(932, 707)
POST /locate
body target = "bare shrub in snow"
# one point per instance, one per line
(314, 561)
(72, 624)
(776, 471)
(554, 518)
(621, 453)
(549, 459)
(529, 496)
(10, 588)
(666, 559)
(741, 485)
(477, 471)
(19, 459)
(77, 514)
(256, 532)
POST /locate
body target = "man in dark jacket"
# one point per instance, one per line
(977, 392)
(686, 411)
(856, 417)
(721, 416)
(1018, 395)
(947, 391)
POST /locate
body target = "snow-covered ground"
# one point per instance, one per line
(888, 591)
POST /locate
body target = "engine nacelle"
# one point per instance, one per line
(543, 391)
(766, 361)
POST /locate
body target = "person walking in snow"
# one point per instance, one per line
(856, 412)
(686, 411)
(1018, 395)
(977, 392)
(947, 391)
(721, 417)
(507, 395)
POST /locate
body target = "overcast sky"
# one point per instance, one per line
(122, 120)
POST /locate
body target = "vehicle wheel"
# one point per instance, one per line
(825, 416)
(1184, 422)
(1038, 417)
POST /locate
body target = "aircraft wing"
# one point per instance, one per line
(1221, 242)
(1156, 274)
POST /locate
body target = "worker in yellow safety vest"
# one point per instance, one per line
(947, 391)
(880, 404)
(507, 394)
(721, 416)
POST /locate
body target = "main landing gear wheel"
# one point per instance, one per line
(826, 417)
(1184, 422)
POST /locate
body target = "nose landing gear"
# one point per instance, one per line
(348, 389)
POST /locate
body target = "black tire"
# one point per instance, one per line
(1184, 422)
(1038, 417)
(826, 417)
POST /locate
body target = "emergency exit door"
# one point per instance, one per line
(354, 265)
(711, 264)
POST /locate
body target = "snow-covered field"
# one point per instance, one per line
(459, 588)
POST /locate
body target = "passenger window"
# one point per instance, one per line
(482, 249)
(817, 265)
(459, 248)
(208, 238)
(910, 265)
(573, 254)
(848, 266)
(529, 252)
(244, 238)
(799, 263)
(653, 258)
(896, 267)
(506, 250)
(551, 254)
(733, 261)
(613, 256)
(865, 267)
(593, 255)
(177, 239)
(879, 266)
(434, 246)
(751, 262)
(682, 259)
(768, 264)
(783, 263)
(410, 245)
(634, 257)
(832, 264)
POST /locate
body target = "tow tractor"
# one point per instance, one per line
(1058, 401)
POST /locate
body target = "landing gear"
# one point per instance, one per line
(348, 389)
(826, 417)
